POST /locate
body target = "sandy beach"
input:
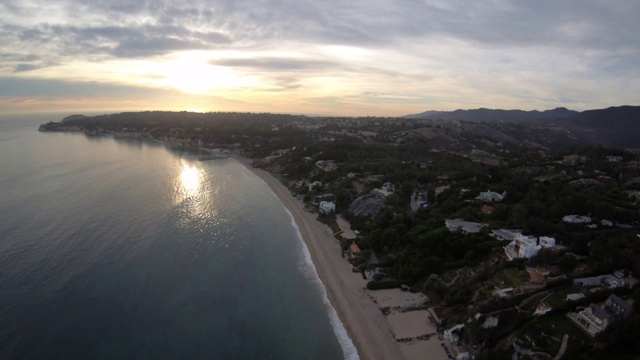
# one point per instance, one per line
(373, 333)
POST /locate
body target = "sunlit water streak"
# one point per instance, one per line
(119, 249)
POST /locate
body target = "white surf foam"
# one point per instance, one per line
(309, 269)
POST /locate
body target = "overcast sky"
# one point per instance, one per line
(340, 57)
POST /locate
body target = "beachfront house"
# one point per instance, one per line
(327, 207)
(459, 350)
(354, 249)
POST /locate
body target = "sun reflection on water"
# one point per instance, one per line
(194, 197)
(189, 183)
(190, 179)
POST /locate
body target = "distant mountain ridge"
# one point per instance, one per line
(617, 126)
(491, 115)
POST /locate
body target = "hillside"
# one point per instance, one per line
(611, 127)
(494, 115)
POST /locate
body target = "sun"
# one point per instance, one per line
(193, 73)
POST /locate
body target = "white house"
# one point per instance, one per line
(460, 351)
(327, 207)
(546, 241)
(593, 319)
(450, 334)
(526, 247)
(491, 196)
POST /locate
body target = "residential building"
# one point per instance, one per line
(486, 209)
(524, 246)
(574, 297)
(367, 205)
(608, 280)
(506, 234)
(491, 196)
(385, 190)
(576, 219)
(593, 319)
(618, 307)
(388, 187)
(440, 189)
(314, 185)
(354, 249)
(460, 351)
(327, 207)
(466, 227)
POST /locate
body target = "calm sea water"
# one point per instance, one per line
(128, 250)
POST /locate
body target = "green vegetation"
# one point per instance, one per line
(516, 277)
(382, 284)
(548, 332)
(559, 295)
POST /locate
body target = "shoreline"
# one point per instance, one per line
(376, 335)
(365, 324)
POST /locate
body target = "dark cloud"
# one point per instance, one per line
(26, 67)
(545, 44)
(175, 25)
(148, 40)
(22, 87)
(25, 87)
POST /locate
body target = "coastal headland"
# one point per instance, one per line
(374, 333)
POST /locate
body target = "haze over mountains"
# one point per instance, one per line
(490, 115)
(458, 130)
(613, 126)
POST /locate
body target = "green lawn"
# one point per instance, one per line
(558, 297)
(555, 326)
(516, 277)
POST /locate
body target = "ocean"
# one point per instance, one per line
(121, 249)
